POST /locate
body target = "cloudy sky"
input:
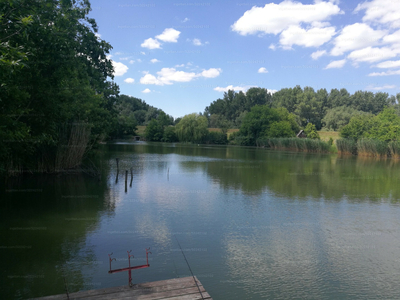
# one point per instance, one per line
(182, 55)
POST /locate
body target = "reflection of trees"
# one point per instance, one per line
(307, 175)
(44, 225)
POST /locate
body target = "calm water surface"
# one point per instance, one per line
(253, 224)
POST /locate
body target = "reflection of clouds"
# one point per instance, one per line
(158, 230)
(348, 253)
(276, 260)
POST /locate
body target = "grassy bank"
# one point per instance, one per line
(326, 135)
(295, 144)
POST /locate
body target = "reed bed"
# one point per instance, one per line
(372, 147)
(295, 144)
(394, 149)
(346, 146)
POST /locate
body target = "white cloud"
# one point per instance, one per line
(381, 12)
(169, 35)
(146, 91)
(143, 53)
(272, 91)
(272, 47)
(392, 38)
(98, 35)
(119, 68)
(274, 18)
(389, 64)
(150, 79)
(388, 73)
(370, 54)
(129, 80)
(197, 42)
(318, 54)
(139, 60)
(151, 43)
(185, 20)
(170, 75)
(336, 64)
(378, 88)
(314, 37)
(131, 61)
(356, 36)
(154, 60)
(262, 70)
(231, 87)
(211, 73)
(179, 66)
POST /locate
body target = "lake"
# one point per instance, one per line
(253, 223)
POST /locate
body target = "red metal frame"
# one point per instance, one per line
(129, 269)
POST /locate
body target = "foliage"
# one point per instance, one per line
(233, 105)
(384, 127)
(337, 117)
(311, 132)
(263, 121)
(215, 137)
(154, 131)
(53, 71)
(192, 128)
(169, 135)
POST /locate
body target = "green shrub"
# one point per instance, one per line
(215, 137)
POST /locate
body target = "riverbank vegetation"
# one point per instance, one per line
(377, 136)
(58, 99)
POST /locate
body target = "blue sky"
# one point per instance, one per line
(181, 55)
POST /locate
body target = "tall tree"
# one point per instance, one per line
(63, 81)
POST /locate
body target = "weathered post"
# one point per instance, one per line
(126, 181)
(131, 178)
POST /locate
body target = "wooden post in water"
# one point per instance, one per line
(126, 181)
(116, 179)
(131, 177)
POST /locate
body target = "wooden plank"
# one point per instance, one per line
(150, 295)
(174, 289)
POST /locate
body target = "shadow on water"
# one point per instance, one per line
(44, 223)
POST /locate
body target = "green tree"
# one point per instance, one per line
(53, 74)
(338, 117)
(169, 135)
(192, 128)
(154, 131)
(311, 131)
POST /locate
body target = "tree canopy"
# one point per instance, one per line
(54, 71)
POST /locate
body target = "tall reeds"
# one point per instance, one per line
(394, 149)
(346, 146)
(372, 147)
(295, 144)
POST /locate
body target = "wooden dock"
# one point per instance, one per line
(172, 289)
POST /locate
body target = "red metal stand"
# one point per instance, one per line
(129, 269)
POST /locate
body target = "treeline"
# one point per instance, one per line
(329, 111)
(133, 112)
(56, 100)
